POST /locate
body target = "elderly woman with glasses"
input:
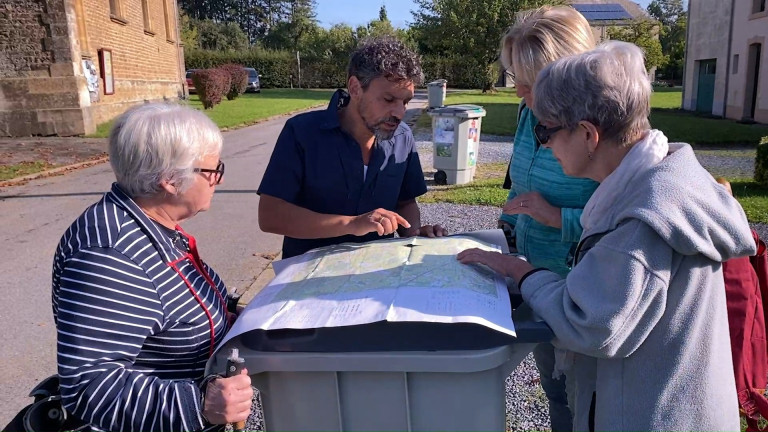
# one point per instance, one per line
(541, 215)
(137, 312)
(643, 311)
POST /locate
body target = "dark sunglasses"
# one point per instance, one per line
(543, 133)
(218, 173)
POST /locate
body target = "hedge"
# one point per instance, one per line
(238, 79)
(211, 85)
(761, 162)
(279, 68)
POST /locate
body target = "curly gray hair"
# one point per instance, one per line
(385, 57)
(152, 143)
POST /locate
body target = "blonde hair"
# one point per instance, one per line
(542, 36)
(726, 184)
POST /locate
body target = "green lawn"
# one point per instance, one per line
(678, 125)
(250, 108)
(706, 134)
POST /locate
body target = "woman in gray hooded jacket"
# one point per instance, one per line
(643, 311)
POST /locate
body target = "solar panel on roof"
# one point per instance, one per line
(602, 12)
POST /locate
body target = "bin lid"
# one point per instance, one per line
(440, 82)
(463, 111)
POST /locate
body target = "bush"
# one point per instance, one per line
(238, 79)
(275, 67)
(211, 85)
(460, 71)
(761, 162)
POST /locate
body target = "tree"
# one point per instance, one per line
(298, 24)
(383, 14)
(642, 32)
(219, 36)
(466, 27)
(671, 15)
(189, 35)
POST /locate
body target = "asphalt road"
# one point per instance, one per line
(35, 215)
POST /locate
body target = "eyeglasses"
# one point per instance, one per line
(543, 133)
(218, 173)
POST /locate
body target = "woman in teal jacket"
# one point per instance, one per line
(544, 205)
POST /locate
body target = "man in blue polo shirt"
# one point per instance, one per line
(350, 173)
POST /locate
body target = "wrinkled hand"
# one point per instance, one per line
(426, 231)
(535, 206)
(228, 400)
(495, 260)
(381, 221)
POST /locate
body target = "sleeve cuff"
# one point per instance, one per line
(525, 276)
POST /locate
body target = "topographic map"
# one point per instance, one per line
(408, 263)
(403, 280)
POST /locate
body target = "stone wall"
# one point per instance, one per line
(44, 43)
(38, 85)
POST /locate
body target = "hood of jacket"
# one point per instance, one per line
(682, 202)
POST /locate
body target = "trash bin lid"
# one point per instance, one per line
(463, 111)
(439, 83)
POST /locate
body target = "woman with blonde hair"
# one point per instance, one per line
(541, 215)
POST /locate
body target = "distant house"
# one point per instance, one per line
(68, 65)
(601, 15)
(726, 66)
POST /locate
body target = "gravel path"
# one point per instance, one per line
(525, 401)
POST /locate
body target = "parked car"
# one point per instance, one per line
(190, 84)
(253, 81)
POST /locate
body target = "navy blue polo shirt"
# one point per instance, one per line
(318, 166)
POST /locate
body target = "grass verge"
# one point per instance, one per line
(685, 126)
(487, 190)
(21, 169)
(250, 108)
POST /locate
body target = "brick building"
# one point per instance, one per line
(69, 65)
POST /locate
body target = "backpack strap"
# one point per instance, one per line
(507, 180)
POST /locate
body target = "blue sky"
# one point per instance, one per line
(359, 12)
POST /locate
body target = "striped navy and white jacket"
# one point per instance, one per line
(136, 321)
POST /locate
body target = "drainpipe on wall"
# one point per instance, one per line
(728, 60)
(179, 53)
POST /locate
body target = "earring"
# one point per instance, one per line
(589, 155)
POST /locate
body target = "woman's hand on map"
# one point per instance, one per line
(382, 221)
(505, 265)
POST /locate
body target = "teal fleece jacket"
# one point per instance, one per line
(534, 168)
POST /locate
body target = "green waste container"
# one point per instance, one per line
(456, 138)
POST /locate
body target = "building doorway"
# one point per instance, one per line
(705, 95)
(753, 77)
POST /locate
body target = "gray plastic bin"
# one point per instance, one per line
(456, 138)
(374, 377)
(436, 93)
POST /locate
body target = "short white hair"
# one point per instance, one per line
(152, 143)
(608, 87)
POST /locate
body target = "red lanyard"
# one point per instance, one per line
(194, 257)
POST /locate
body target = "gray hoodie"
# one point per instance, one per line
(644, 311)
